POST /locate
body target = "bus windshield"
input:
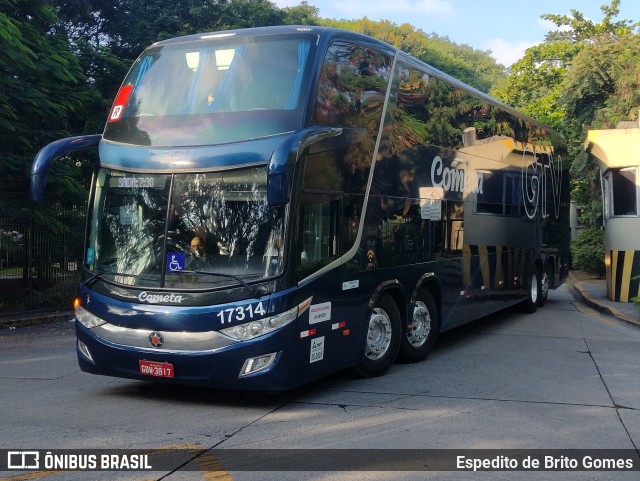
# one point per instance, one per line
(212, 91)
(190, 231)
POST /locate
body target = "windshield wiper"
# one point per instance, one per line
(95, 277)
(251, 289)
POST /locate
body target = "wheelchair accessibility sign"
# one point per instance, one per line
(176, 261)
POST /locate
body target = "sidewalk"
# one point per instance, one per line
(594, 293)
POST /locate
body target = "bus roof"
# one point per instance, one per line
(327, 34)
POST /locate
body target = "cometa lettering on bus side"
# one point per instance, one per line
(452, 179)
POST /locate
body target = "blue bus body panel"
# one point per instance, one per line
(138, 315)
(218, 367)
(188, 159)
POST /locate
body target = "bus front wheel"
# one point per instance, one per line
(420, 333)
(382, 338)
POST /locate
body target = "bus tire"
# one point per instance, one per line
(545, 284)
(382, 340)
(533, 291)
(421, 329)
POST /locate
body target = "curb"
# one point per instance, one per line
(576, 289)
(35, 319)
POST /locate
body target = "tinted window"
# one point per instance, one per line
(213, 91)
(352, 87)
(623, 187)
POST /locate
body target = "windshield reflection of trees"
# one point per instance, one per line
(229, 212)
(133, 225)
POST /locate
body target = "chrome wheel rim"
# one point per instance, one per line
(534, 288)
(379, 334)
(421, 325)
(545, 286)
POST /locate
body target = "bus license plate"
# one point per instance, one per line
(157, 369)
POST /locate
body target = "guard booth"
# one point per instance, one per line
(617, 152)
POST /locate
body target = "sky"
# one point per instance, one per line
(505, 27)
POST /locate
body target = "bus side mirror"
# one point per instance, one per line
(286, 155)
(46, 155)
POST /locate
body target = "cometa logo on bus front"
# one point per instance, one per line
(156, 298)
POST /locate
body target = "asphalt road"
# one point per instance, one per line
(563, 378)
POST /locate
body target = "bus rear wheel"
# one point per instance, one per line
(420, 333)
(545, 284)
(534, 289)
(382, 339)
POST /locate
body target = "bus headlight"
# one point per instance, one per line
(253, 329)
(87, 319)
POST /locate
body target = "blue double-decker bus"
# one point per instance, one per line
(273, 205)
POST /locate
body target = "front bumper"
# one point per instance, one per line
(198, 358)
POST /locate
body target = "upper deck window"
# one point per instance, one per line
(212, 91)
(352, 87)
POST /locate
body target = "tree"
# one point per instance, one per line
(250, 13)
(601, 89)
(603, 86)
(303, 14)
(535, 81)
(534, 84)
(568, 80)
(43, 96)
(577, 29)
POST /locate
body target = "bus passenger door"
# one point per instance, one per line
(326, 342)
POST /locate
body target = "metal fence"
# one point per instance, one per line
(40, 258)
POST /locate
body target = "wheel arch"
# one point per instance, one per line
(394, 289)
(431, 283)
(539, 265)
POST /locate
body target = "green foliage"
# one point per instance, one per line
(585, 73)
(534, 85)
(576, 28)
(585, 189)
(250, 13)
(43, 96)
(587, 251)
(603, 87)
(474, 67)
(539, 82)
(303, 14)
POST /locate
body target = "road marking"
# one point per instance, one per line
(211, 467)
